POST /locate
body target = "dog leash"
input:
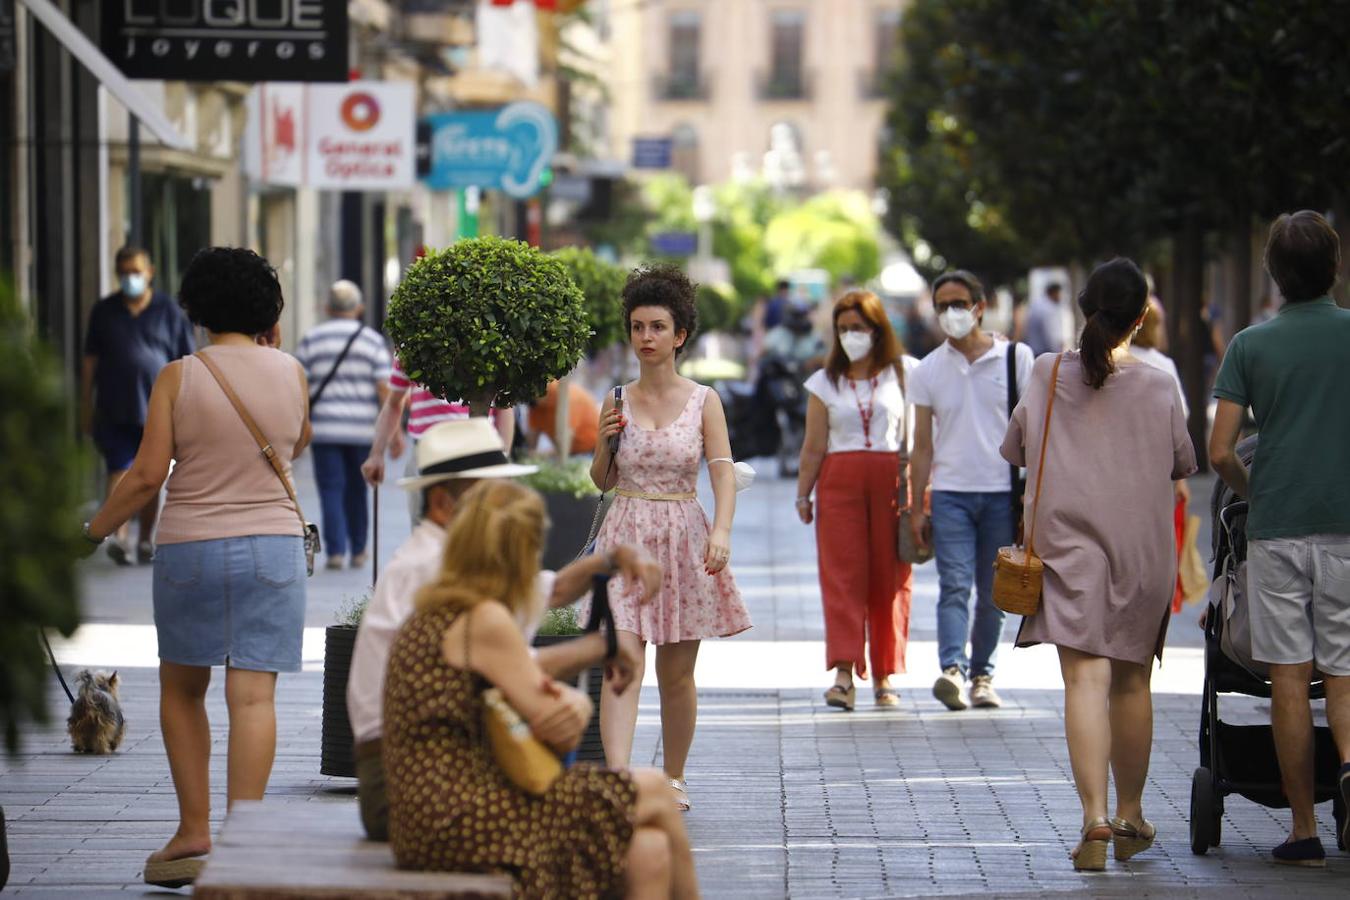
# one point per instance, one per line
(56, 668)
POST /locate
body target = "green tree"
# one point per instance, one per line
(601, 283)
(835, 231)
(40, 466)
(1089, 128)
(488, 320)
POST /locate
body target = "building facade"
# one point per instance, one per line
(790, 88)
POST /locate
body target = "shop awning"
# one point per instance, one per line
(92, 58)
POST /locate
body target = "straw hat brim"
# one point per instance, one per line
(509, 470)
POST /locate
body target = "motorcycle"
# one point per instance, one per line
(767, 417)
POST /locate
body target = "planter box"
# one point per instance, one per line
(590, 750)
(571, 519)
(338, 751)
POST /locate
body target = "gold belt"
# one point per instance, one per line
(643, 495)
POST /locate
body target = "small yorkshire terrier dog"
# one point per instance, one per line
(96, 724)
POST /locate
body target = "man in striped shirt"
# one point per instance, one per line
(425, 409)
(347, 365)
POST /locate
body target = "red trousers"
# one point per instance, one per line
(864, 587)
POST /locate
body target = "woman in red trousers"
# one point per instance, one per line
(855, 421)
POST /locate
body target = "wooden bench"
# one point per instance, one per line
(313, 850)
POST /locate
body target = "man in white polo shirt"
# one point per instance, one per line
(451, 457)
(962, 403)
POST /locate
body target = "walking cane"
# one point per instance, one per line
(375, 573)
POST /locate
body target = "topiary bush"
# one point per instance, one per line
(41, 467)
(602, 285)
(717, 309)
(488, 320)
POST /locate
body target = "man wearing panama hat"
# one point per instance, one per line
(451, 457)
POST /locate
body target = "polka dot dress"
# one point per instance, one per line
(692, 604)
(450, 807)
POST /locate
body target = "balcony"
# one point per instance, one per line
(681, 87)
(788, 84)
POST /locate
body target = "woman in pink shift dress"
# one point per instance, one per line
(666, 425)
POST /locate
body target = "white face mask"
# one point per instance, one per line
(133, 286)
(856, 344)
(957, 323)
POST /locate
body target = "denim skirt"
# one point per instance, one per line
(238, 601)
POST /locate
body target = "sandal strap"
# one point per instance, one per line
(1100, 822)
(1126, 828)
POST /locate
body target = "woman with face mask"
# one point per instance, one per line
(855, 422)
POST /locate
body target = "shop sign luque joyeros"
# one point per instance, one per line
(227, 40)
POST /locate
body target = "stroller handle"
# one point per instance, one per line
(1237, 507)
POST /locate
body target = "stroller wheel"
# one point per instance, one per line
(1204, 813)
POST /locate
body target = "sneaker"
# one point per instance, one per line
(982, 693)
(948, 688)
(1344, 781)
(145, 553)
(334, 563)
(358, 560)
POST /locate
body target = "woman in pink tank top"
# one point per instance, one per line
(229, 579)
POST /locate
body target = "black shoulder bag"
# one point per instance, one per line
(1016, 481)
(314, 397)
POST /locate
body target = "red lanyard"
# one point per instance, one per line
(865, 414)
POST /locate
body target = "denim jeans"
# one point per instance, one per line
(342, 492)
(968, 529)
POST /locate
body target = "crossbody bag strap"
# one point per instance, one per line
(1040, 467)
(346, 348)
(903, 456)
(1013, 396)
(263, 445)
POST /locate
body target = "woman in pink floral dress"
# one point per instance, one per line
(666, 425)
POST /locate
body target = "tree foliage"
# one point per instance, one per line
(1073, 129)
(601, 283)
(488, 320)
(40, 466)
(835, 231)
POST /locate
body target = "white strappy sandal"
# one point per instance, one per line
(681, 794)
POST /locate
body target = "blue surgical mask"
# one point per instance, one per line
(133, 285)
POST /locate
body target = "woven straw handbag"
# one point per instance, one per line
(523, 758)
(1018, 572)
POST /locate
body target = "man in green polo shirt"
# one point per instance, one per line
(1294, 373)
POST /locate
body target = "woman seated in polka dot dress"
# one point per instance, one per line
(595, 832)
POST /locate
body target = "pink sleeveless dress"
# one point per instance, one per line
(691, 604)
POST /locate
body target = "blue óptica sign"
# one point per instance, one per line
(505, 149)
(675, 243)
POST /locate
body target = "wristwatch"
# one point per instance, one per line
(88, 535)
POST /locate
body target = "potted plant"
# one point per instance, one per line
(40, 466)
(571, 498)
(488, 320)
(601, 283)
(337, 755)
(560, 626)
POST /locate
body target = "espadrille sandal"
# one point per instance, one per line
(1090, 854)
(681, 794)
(841, 697)
(174, 873)
(1130, 839)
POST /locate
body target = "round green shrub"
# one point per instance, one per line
(40, 466)
(717, 310)
(489, 321)
(602, 285)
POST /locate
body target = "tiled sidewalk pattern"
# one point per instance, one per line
(791, 799)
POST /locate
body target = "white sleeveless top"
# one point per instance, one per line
(846, 422)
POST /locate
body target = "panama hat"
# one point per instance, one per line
(461, 448)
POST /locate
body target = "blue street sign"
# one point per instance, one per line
(505, 149)
(652, 153)
(675, 243)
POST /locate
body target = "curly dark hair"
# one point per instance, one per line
(231, 289)
(669, 288)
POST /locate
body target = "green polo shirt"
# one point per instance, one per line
(1294, 373)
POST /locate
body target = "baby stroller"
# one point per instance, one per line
(1240, 759)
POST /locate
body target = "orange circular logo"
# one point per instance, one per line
(360, 111)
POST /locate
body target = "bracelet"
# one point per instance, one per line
(803, 501)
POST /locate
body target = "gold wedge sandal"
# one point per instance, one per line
(174, 873)
(1130, 839)
(1090, 854)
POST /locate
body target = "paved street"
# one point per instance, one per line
(790, 799)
